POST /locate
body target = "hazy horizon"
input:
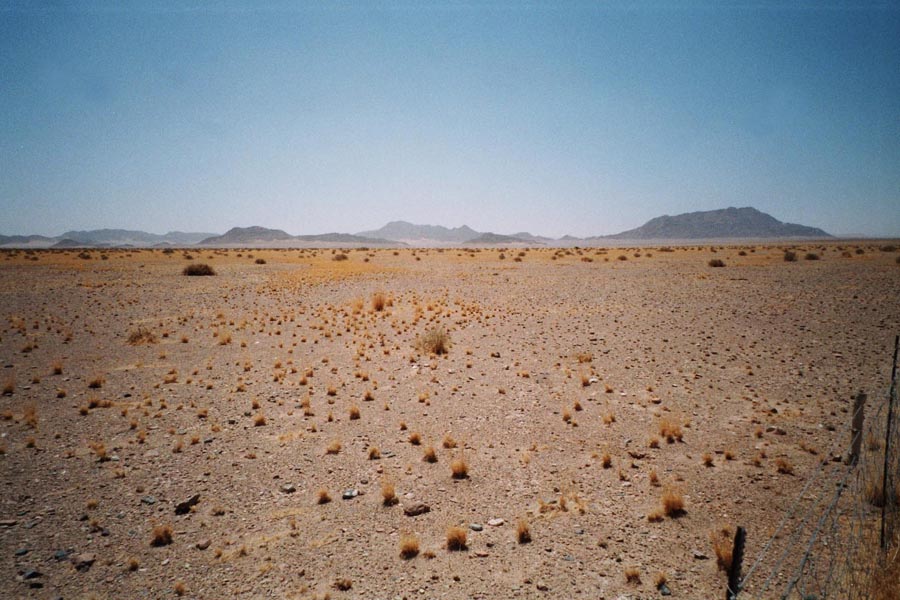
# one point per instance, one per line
(571, 119)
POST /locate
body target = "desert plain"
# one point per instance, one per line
(589, 420)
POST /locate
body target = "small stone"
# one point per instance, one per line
(21, 551)
(182, 508)
(476, 526)
(31, 574)
(60, 555)
(481, 553)
(416, 509)
(542, 586)
(496, 522)
(148, 500)
(700, 555)
(288, 488)
(664, 590)
(203, 544)
(84, 561)
(350, 494)
(8, 523)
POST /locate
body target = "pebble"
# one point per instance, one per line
(349, 494)
(8, 523)
(31, 574)
(664, 590)
(203, 544)
(699, 555)
(476, 526)
(60, 555)
(148, 500)
(288, 488)
(496, 522)
(21, 551)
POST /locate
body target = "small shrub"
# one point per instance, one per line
(784, 466)
(811, 256)
(790, 256)
(409, 546)
(339, 257)
(523, 532)
(378, 301)
(673, 503)
(334, 447)
(723, 547)
(456, 539)
(632, 575)
(459, 468)
(434, 341)
(260, 261)
(716, 262)
(388, 493)
(429, 456)
(322, 496)
(198, 269)
(161, 536)
(141, 335)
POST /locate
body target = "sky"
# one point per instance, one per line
(555, 118)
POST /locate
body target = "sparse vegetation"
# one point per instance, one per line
(434, 341)
(198, 269)
(456, 539)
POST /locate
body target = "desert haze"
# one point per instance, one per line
(429, 423)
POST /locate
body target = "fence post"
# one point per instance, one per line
(887, 440)
(859, 407)
(734, 571)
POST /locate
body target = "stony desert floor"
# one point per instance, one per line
(579, 390)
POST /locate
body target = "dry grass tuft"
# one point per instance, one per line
(161, 535)
(378, 301)
(429, 456)
(784, 466)
(459, 468)
(141, 335)
(322, 496)
(723, 546)
(670, 430)
(456, 539)
(409, 546)
(523, 532)
(334, 447)
(672, 503)
(434, 341)
(388, 493)
(632, 575)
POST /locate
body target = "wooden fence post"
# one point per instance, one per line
(734, 571)
(859, 407)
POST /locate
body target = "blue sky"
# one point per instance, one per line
(581, 118)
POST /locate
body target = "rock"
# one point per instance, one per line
(31, 574)
(350, 494)
(83, 562)
(699, 555)
(8, 523)
(182, 508)
(496, 522)
(416, 509)
(476, 526)
(481, 553)
(148, 500)
(60, 555)
(542, 586)
(288, 488)
(664, 590)
(21, 551)
(203, 544)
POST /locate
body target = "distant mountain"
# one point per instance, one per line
(401, 231)
(264, 237)
(25, 241)
(495, 238)
(243, 236)
(714, 224)
(125, 237)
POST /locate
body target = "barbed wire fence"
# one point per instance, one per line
(840, 538)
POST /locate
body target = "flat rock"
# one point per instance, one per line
(184, 507)
(416, 509)
(84, 561)
(288, 488)
(203, 544)
(496, 522)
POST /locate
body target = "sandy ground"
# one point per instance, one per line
(559, 362)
